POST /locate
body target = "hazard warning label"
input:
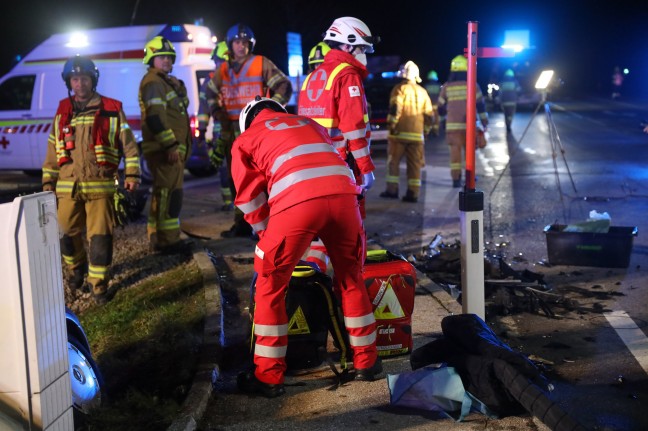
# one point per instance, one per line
(298, 324)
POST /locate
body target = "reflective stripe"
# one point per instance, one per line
(308, 174)
(132, 162)
(262, 225)
(99, 272)
(270, 330)
(106, 186)
(359, 322)
(300, 151)
(155, 101)
(325, 122)
(362, 341)
(169, 224)
(315, 254)
(254, 204)
(391, 179)
(409, 136)
(414, 182)
(270, 351)
(335, 72)
(362, 152)
(355, 134)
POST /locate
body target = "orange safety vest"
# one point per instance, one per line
(105, 130)
(237, 89)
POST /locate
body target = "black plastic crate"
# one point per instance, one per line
(608, 250)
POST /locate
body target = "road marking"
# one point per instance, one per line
(631, 335)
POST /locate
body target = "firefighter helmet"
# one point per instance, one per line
(158, 46)
(317, 53)
(409, 71)
(240, 32)
(351, 31)
(80, 65)
(220, 52)
(432, 75)
(459, 64)
(509, 73)
(254, 107)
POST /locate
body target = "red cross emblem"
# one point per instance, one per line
(4, 143)
(316, 84)
(285, 123)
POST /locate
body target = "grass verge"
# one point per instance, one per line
(146, 342)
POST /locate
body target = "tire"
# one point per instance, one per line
(85, 378)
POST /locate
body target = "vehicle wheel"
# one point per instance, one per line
(203, 172)
(85, 377)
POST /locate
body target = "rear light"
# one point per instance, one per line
(193, 124)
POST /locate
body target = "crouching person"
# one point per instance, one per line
(292, 185)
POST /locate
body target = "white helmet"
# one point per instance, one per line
(254, 107)
(351, 31)
(410, 71)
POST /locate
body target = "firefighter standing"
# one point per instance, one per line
(166, 143)
(292, 185)
(206, 108)
(452, 105)
(236, 83)
(88, 138)
(316, 55)
(509, 89)
(433, 88)
(409, 120)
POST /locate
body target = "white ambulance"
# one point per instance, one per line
(30, 92)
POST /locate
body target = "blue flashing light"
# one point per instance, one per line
(388, 75)
(175, 33)
(626, 71)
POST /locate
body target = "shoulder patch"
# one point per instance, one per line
(354, 91)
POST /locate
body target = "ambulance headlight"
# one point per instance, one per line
(77, 40)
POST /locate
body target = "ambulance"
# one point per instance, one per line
(30, 92)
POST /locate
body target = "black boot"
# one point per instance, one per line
(369, 374)
(409, 197)
(239, 229)
(248, 383)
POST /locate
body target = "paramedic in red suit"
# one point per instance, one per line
(292, 186)
(333, 95)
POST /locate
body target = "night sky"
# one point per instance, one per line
(582, 40)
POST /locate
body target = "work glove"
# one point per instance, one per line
(121, 204)
(217, 153)
(367, 180)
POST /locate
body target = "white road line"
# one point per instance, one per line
(631, 335)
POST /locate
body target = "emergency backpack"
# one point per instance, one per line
(313, 313)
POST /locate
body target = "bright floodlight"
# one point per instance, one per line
(77, 40)
(544, 79)
(513, 47)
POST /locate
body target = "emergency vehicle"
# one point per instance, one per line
(30, 92)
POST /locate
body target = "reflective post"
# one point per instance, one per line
(471, 201)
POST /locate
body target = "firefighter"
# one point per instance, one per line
(316, 55)
(333, 95)
(88, 137)
(509, 89)
(452, 105)
(409, 120)
(236, 83)
(293, 185)
(166, 143)
(207, 101)
(433, 88)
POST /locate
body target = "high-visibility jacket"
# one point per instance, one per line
(97, 136)
(410, 112)
(509, 89)
(236, 83)
(282, 160)
(452, 103)
(333, 95)
(163, 102)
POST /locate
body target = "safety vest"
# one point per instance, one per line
(237, 89)
(105, 130)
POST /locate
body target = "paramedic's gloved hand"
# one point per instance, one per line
(367, 180)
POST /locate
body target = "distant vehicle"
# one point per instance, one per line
(30, 92)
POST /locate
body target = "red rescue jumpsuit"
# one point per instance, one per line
(333, 95)
(292, 186)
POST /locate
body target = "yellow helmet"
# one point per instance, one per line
(459, 64)
(316, 55)
(158, 46)
(220, 52)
